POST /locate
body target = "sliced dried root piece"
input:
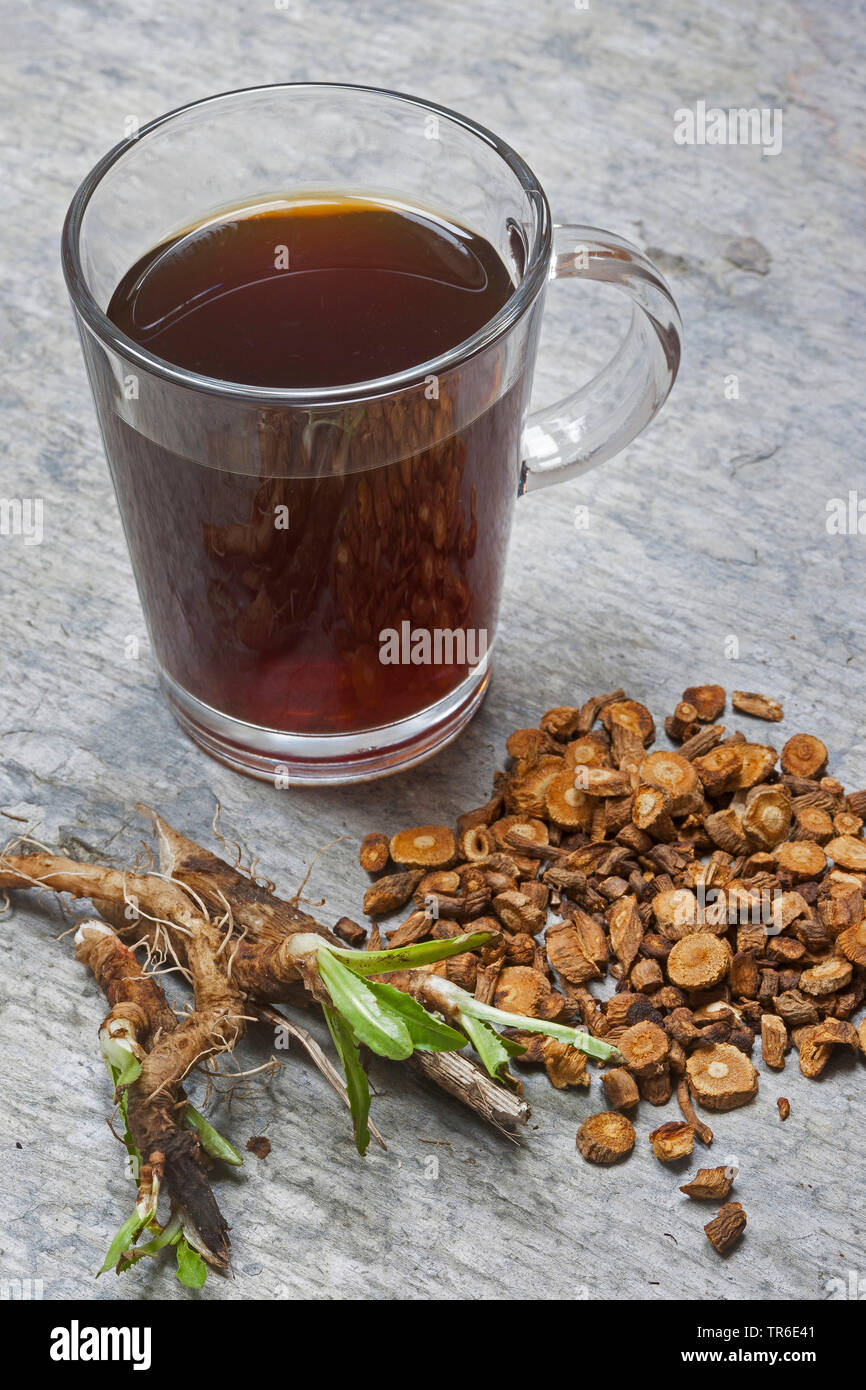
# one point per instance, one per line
(767, 817)
(527, 787)
(826, 977)
(698, 961)
(424, 847)
(784, 1107)
(761, 706)
(518, 912)
(815, 1043)
(530, 743)
(391, 893)
(676, 912)
(683, 723)
(631, 716)
(565, 1065)
(590, 750)
(721, 1077)
(567, 804)
(719, 768)
(802, 859)
(606, 1138)
(645, 1048)
(726, 1228)
(852, 943)
(774, 1040)
(561, 723)
(527, 827)
(841, 904)
(568, 956)
(375, 852)
(620, 1088)
(651, 811)
(708, 700)
(848, 852)
(675, 775)
(725, 829)
(757, 762)
(710, 1184)
(626, 930)
(804, 756)
(672, 1140)
(522, 990)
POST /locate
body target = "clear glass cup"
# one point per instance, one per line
(320, 570)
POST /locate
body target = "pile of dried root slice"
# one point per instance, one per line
(723, 894)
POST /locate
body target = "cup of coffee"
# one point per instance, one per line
(309, 314)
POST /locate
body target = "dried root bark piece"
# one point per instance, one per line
(718, 769)
(814, 1050)
(684, 1100)
(424, 847)
(796, 1010)
(710, 1184)
(676, 912)
(802, 859)
(606, 1138)
(417, 926)
(522, 990)
(701, 743)
(518, 912)
(527, 787)
(375, 852)
(651, 811)
(391, 893)
(767, 817)
(721, 1077)
(761, 706)
(683, 723)
(826, 977)
(698, 961)
(482, 815)
(645, 1048)
(708, 700)
(530, 743)
(774, 1041)
(568, 804)
(675, 775)
(561, 723)
(726, 1228)
(567, 955)
(804, 756)
(758, 761)
(626, 930)
(852, 943)
(632, 716)
(840, 904)
(784, 1107)
(848, 852)
(565, 1065)
(658, 1088)
(813, 824)
(672, 1140)
(620, 1088)
(725, 829)
(646, 976)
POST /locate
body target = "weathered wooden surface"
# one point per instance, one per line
(711, 528)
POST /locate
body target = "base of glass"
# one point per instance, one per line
(327, 759)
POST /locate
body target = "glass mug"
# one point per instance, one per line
(320, 570)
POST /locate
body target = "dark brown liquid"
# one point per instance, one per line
(278, 621)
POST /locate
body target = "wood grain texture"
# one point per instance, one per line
(711, 527)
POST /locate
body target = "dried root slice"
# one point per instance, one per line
(813, 824)
(518, 912)
(589, 750)
(651, 811)
(698, 961)
(708, 700)
(626, 930)
(725, 829)
(631, 716)
(645, 1049)
(758, 761)
(561, 723)
(804, 756)
(527, 828)
(826, 977)
(620, 1088)
(683, 723)
(568, 804)
(767, 817)
(802, 859)
(374, 853)
(784, 1107)
(761, 706)
(391, 893)
(726, 1228)
(795, 1008)
(852, 943)
(676, 912)
(565, 1065)
(530, 743)
(606, 1138)
(522, 990)
(424, 847)
(568, 956)
(848, 852)
(672, 1140)
(774, 1041)
(815, 1043)
(710, 1184)
(658, 1088)
(721, 1077)
(527, 787)
(719, 768)
(675, 775)
(841, 904)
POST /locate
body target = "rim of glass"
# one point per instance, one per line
(523, 294)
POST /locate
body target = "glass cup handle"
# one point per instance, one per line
(595, 422)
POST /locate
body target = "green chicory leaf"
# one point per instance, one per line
(191, 1268)
(383, 1032)
(357, 1085)
(493, 1050)
(211, 1141)
(407, 957)
(428, 1033)
(122, 1241)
